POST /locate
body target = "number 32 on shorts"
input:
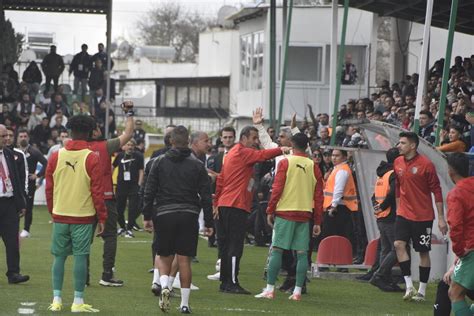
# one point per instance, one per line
(425, 240)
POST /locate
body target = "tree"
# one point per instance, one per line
(169, 25)
(10, 42)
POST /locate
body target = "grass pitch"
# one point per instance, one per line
(325, 297)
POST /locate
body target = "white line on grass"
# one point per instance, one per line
(243, 310)
(28, 303)
(26, 311)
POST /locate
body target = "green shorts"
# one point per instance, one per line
(464, 271)
(290, 235)
(71, 239)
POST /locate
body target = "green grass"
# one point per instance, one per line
(326, 297)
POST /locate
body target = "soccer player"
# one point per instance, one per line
(297, 189)
(416, 179)
(232, 203)
(177, 188)
(76, 211)
(461, 223)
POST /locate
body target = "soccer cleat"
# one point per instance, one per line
(25, 234)
(164, 302)
(418, 297)
(156, 289)
(214, 277)
(236, 289)
(137, 228)
(295, 297)
(120, 232)
(111, 282)
(185, 310)
(55, 307)
(173, 293)
(129, 234)
(410, 292)
(83, 308)
(266, 294)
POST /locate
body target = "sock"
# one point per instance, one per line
(270, 288)
(461, 308)
(408, 281)
(57, 296)
(472, 308)
(405, 266)
(274, 266)
(156, 276)
(58, 274)
(301, 268)
(185, 297)
(164, 281)
(80, 272)
(422, 289)
(78, 298)
(424, 274)
(297, 290)
(171, 281)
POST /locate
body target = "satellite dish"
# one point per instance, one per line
(68, 59)
(123, 50)
(27, 55)
(222, 15)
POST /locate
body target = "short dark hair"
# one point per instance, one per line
(180, 136)
(411, 136)
(81, 124)
(84, 46)
(342, 151)
(300, 141)
(459, 162)
(427, 113)
(392, 154)
(246, 131)
(228, 129)
(22, 130)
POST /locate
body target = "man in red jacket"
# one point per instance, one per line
(232, 203)
(416, 179)
(461, 224)
(74, 197)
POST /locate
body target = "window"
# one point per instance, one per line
(170, 97)
(251, 71)
(182, 97)
(194, 101)
(225, 98)
(214, 97)
(305, 63)
(205, 97)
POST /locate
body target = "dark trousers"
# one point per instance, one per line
(9, 223)
(122, 197)
(110, 236)
(231, 234)
(338, 225)
(359, 241)
(48, 82)
(442, 305)
(388, 256)
(30, 199)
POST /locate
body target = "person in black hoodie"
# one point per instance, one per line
(385, 209)
(176, 189)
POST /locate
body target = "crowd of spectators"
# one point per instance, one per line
(43, 109)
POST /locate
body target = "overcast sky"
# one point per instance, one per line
(74, 29)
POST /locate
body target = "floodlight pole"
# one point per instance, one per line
(423, 62)
(272, 63)
(339, 72)
(447, 62)
(109, 66)
(333, 59)
(285, 64)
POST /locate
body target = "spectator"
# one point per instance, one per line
(57, 104)
(44, 99)
(139, 132)
(324, 139)
(36, 118)
(323, 122)
(53, 67)
(353, 137)
(32, 77)
(41, 134)
(58, 113)
(96, 101)
(101, 119)
(96, 77)
(102, 56)
(349, 74)
(455, 144)
(427, 123)
(470, 119)
(59, 125)
(80, 66)
(24, 110)
(63, 136)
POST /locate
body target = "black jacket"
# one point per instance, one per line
(390, 200)
(18, 186)
(178, 183)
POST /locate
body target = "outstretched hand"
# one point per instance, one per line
(257, 116)
(293, 121)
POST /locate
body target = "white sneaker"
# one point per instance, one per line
(410, 292)
(266, 294)
(418, 297)
(214, 277)
(120, 232)
(129, 234)
(25, 234)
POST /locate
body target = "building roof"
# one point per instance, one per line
(415, 10)
(61, 6)
(247, 13)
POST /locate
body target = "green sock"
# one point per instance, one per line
(301, 268)
(472, 309)
(274, 266)
(80, 272)
(57, 272)
(461, 308)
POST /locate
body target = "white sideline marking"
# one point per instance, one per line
(244, 310)
(26, 311)
(28, 303)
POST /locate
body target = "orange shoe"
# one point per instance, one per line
(266, 294)
(295, 297)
